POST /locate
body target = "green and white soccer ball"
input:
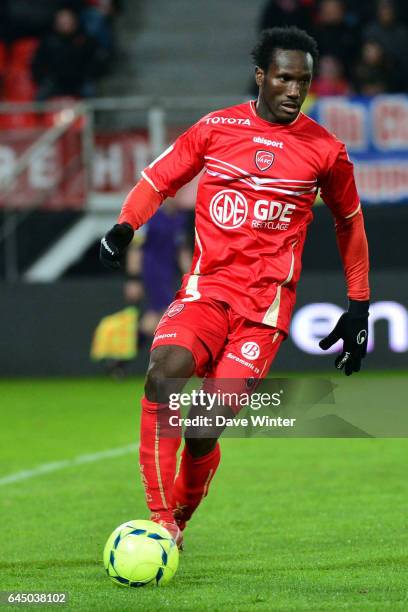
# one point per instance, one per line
(140, 553)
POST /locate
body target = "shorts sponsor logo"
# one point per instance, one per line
(250, 350)
(228, 209)
(264, 160)
(247, 364)
(162, 336)
(269, 143)
(174, 310)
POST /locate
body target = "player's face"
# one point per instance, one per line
(284, 86)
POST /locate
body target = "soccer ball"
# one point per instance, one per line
(140, 553)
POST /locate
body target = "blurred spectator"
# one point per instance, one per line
(76, 6)
(372, 74)
(25, 18)
(279, 13)
(393, 37)
(165, 253)
(330, 80)
(360, 12)
(334, 34)
(366, 9)
(97, 18)
(67, 60)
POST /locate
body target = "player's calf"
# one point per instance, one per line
(193, 480)
(158, 441)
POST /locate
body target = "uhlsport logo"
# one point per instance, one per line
(361, 336)
(228, 209)
(264, 160)
(175, 309)
(250, 350)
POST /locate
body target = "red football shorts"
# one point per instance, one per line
(223, 343)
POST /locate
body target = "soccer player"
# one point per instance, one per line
(264, 162)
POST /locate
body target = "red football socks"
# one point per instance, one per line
(192, 482)
(158, 459)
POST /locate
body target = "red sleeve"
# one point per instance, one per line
(353, 247)
(141, 204)
(339, 192)
(338, 187)
(181, 162)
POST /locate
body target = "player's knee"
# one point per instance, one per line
(167, 369)
(155, 384)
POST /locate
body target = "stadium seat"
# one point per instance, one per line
(3, 57)
(22, 52)
(18, 121)
(18, 86)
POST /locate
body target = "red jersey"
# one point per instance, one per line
(254, 203)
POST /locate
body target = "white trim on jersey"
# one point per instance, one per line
(292, 267)
(262, 187)
(256, 179)
(166, 152)
(354, 213)
(295, 187)
(197, 266)
(192, 283)
(272, 314)
(149, 180)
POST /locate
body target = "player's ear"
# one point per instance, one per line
(259, 76)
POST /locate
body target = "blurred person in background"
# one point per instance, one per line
(330, 79)
(392, 36)
(373, 73)
(335, 35)
(288, 13)
(97, 20)
(25, 18)
(154, 262)
(164, 255)
(67, 61)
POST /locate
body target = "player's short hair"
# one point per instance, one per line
(291, 38)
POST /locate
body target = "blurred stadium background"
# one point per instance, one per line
(91, 90)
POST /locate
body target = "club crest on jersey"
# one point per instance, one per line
(264, 160)
(174, 309)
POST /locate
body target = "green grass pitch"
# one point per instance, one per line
(290, 524)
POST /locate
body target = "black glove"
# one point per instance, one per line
(114, 244)
(352, 328)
